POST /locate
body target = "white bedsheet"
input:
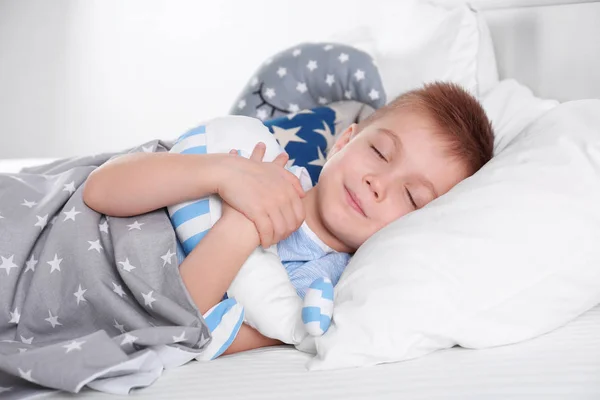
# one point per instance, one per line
(564, 364)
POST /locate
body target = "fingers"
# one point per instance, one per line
(293, 179)
(259, 152)
(264, 227)
(281, 159)
(280, 225)
(233, 152)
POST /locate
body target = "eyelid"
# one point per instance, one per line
(378, 153)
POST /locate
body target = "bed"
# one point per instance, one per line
(562, 364)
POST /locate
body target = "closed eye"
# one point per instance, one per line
(378, 153)
(412, 201)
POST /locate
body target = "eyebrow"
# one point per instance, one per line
(398, 144)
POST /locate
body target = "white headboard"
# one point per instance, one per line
(552, 46)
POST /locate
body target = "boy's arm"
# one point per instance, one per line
(210, 268)
(138, 183)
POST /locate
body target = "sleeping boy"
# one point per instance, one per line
(399, 159)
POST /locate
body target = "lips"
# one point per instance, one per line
(354, 202)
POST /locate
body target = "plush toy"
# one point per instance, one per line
(288, 93)
(268, 299)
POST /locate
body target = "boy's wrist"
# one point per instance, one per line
(211, 169)
(241, 227)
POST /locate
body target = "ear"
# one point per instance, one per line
(343, 139)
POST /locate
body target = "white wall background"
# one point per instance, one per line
(80, 77)
(87, 76)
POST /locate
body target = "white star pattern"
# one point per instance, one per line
(79, 294)
(120, 327)
(8, 264)
(74, 345)
(118, 290)
(320, 161)
(95, 245)
(31, 263)
(15, 317)
(327, 135)
(180, 338)
(296, 52)
(26, 375)
(343, 57)
(293, 108)
(135, 225)
(301, 87)
(328, 47)
(359, 75)
(70, 187)
(71, 214)
(55, 264)
(167, 257)
(270, 93)
(1, 217)
(285, 136)
(5, 389)
(22, 350)
(323, 100)
(52, 319)
(268, 61)
(128, 339)
(148, 299)
(147, 149)
(254, 81)
(241, 104)
(103, 227)
(42, 221)
(261, 114)
(29, 204)
(126, 265)
(281, 72)
(330, 79)
(374, 94)
(203, 340)
(26, 341)
(348, 94)
(312, 65)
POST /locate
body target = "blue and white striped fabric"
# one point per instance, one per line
(191, 219)
(318, 307)
(224, 322)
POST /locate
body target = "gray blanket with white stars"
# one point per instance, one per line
(87, 299)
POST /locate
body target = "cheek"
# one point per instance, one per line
(392, 213)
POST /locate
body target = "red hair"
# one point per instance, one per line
(459, 117)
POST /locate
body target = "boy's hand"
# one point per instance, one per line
(266, 193)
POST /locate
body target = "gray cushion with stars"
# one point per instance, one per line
(310, 75)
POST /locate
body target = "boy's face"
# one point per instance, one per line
(395, 165)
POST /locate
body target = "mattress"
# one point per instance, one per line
(562, 364)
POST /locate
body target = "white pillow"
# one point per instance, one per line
(507, 255)
(413, 42)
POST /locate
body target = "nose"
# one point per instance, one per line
(376, 187)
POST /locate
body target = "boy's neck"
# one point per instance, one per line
(314, 221)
